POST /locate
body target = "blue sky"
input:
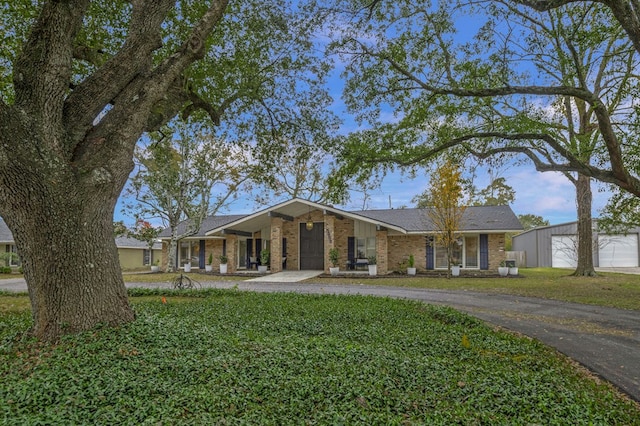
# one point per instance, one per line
(549, 194)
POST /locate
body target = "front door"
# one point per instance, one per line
(312, 247)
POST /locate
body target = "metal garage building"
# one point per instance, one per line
(556, 246)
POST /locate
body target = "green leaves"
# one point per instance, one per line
(283, 358)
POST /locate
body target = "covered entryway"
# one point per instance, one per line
(618, 250)
(312, 247)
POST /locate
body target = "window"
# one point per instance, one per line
(365, 247)
(146, 257)
(189, 253)
(466, 252)
(471, 252)
(441, 256)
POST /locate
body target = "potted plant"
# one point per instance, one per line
(209, 267)
(156, 266)
(503, 270)
(513, 270)
(455, 270)
(333, 258)
(411, 265)
(223, 264)
(264, 261)
(373, 267)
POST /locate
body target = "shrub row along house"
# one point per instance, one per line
(298, 235)
(133, 254)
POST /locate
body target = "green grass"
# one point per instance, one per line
(607, 289)
(229, 357)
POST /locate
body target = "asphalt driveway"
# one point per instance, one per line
(605, 340)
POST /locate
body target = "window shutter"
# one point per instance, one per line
(430, 253)
(224, 246)
(351, 250)
(201, 255)
(484, 251)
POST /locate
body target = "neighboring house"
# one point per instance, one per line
(7, 245)
(134, 254)
(556, 246)
(300, 233)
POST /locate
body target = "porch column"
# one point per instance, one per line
(276, 244)
(382, 253)
(329, 239)
(232, 253)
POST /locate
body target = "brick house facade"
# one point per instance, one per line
(299, 234)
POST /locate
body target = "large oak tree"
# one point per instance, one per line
(82, 81)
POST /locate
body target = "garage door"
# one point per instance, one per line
(618, 250)
(563, 251)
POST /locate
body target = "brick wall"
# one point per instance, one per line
(400, 247)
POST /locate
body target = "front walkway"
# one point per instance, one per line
(286, 277)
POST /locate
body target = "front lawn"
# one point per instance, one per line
(607, 289)
(229, 357)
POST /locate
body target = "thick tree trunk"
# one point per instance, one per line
(70, 261)
(585, 232)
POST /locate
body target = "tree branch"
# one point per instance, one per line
(43, 70)
(92, 95)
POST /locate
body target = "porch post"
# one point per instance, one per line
(232, 253)
(382, 255)
(329, 239)
(276, 244)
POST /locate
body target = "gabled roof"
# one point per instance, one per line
(475, 218)
(209, 223)
(405, 221)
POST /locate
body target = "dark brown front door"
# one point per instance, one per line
(312, 247)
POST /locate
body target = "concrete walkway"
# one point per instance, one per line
(286, 277)
(605, 340)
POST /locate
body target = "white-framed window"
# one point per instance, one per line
(466, 252)
(189, 253)
(365, 247)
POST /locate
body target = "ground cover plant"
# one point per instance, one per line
(230, 357)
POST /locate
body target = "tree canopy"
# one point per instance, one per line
(82, 81)
(492, 92)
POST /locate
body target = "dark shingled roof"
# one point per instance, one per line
(208, 224)
(475, 218)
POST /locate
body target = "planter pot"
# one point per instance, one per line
(223, 268)
(503, 271)
(334, 270)
(187, 267)
(411, 271)
(373, 270)
(155, 268)
(513, 271)
(208, 268)
(262, 269)
(455, 270)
